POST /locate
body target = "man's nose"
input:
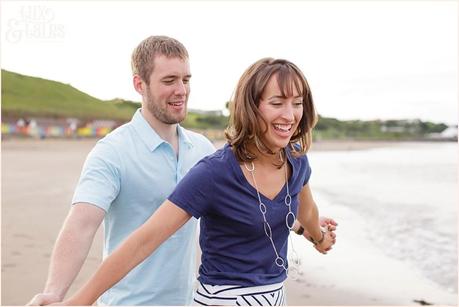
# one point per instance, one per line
(181, 89)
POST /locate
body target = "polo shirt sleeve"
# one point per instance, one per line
(206, 146)
(306, 169)
(210, 148)
(194, 192)
(99, 182)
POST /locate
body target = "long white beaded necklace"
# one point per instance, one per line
(279, 261)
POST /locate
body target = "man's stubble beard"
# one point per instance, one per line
(160, 112)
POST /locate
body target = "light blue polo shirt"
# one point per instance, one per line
(129, 174)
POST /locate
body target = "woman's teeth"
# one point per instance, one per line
(283, 128)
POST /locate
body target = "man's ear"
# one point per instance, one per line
(139, 84)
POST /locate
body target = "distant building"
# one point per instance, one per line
(205, 112)
(393, 129)
(57, 127)
(449, 133)
(104, 123)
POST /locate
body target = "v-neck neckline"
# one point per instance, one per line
(243, 180)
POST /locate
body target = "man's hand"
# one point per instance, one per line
(64, 303)
(326, 244)
(42, 299)
(327, 223)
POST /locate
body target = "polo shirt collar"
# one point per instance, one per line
(183, 136)
(149, 135)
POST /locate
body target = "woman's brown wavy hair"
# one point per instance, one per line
(243, 128)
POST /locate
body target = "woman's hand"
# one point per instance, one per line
(328, 240)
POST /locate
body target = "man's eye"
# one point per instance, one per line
(168, 81)
(186, 81)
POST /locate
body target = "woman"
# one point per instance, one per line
(248, 196)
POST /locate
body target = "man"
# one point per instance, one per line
(125, 178)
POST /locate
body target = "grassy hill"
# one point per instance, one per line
(25, 96)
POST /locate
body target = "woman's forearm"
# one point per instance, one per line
(311, 223)
(308, 214)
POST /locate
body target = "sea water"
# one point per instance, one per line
(407, 193)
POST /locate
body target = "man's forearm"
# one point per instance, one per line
(166, 220)
(72, 247)
(69, 254)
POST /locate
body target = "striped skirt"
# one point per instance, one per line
(267, 295)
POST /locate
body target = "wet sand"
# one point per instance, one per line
(39, 177)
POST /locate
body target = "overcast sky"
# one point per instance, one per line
(363, 59)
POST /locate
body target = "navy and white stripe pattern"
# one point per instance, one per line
(267, 295)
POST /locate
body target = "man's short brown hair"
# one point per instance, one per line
(144, 54)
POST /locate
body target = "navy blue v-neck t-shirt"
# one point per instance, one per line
(235, 248)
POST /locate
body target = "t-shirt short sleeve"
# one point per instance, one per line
(193, 193)
(99, 182)
(306, 168)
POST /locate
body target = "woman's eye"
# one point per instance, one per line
(298, 103)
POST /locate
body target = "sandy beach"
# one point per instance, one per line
(39, 177)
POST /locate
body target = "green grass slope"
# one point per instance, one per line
(25, 96)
